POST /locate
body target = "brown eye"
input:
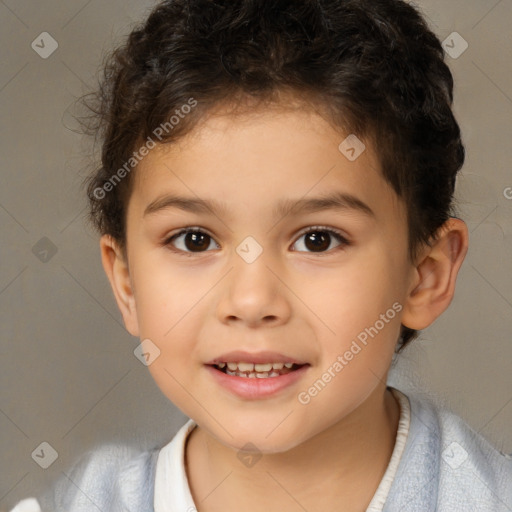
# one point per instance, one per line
(199, 241)
(319, 240)
(190, 241)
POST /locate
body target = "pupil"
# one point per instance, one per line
(194, 238)
(318, 239)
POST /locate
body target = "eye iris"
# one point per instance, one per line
(193, 238)
(318, 239)
(315, 240)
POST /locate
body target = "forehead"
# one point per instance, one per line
(260, 156)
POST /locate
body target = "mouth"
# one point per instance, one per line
(257, 380)
(256, 375)
(257, 370)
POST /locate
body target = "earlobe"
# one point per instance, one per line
(116, 268)
(435, 274)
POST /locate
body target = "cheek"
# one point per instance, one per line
(172, 327)
(351, 368)
(359, 307)
(349, 299)
(168, 313)
(164, 296)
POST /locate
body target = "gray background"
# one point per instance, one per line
(68, 374)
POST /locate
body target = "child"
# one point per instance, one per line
(275, 205)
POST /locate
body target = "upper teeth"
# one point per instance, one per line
(249, 367)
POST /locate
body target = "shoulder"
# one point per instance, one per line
(460, 443)
(450, 465)
(111, 477)
(471, 468)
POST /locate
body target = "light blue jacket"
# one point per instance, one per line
(446, 467)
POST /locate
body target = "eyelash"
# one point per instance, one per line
(323, 229)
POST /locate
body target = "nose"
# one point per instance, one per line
(254, 294)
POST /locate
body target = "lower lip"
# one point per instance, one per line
(255, 388)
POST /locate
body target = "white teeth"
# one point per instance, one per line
(252, 371)
(258, 367)
(246, 367)
(261, 367)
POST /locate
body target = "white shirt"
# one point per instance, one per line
(177, 497)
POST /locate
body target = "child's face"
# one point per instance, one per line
(307, 298)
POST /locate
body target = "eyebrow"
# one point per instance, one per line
(331, 201)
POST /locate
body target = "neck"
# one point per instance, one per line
(341, 465)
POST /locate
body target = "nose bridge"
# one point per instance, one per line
(253, 293)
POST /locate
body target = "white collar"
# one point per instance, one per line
(172, 491)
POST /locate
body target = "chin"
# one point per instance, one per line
(266, 440)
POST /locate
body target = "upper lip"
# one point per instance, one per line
(241, 356)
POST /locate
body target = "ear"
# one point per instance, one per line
(433, 284)
(116, 268)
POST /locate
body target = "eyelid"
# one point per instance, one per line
(188, 229)
(319, 227)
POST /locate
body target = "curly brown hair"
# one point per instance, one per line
(372, 67)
